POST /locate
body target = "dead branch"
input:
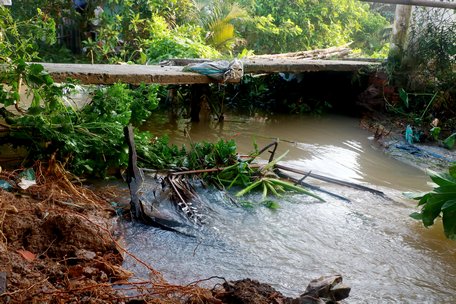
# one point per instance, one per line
(332, 52)
(331, 180)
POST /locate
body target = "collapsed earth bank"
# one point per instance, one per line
(58, 244)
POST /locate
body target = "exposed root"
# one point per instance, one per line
(69, 252)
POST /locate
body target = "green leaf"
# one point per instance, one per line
(270, 187)
(435, 132)
(8, 102)
(449, 205)
(424, 199)
(36, 68)
(265, 190)
(246, 204)
(416, 216)
(249, 188)
(442, 179)
(271, 164)
(432, 208)
(290, 186)
(452, 171)
(404, 97)
(450, 141)
(270, 204)
(449, 224)
(36, 98)
(450, 190)
(414, 195)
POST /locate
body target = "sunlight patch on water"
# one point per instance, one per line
(333, 160)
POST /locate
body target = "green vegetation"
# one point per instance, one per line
(441, 202)
(425, 72)
(90, 140)
(284, 26)
(143, 31)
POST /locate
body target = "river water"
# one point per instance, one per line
(383, 254)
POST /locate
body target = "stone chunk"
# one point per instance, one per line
(2, 282)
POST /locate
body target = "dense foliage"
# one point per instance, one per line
(283, 26)
(441, 202)
(425, 70)
(148, 31)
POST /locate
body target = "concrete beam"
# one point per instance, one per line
(161, 74)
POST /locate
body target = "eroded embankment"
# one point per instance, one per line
(57, 245)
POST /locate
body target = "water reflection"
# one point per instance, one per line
(332, 160)
(383, 254)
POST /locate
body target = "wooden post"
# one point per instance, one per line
(199, 91)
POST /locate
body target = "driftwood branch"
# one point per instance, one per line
(312, 187)
(331, 180)
(273, 144)
(332, 52)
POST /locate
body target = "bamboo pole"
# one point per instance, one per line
(428, 3)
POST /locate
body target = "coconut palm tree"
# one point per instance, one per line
(218, 19)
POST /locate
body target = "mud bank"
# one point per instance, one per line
(388, 135)
(58, 244)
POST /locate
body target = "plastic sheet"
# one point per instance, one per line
(221, 71)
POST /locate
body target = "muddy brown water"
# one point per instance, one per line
(383, 254)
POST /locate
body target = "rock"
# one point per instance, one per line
(85, 254)
(327, 287)
(2, 282)
(249, 291)
(340, 291)
(89, 271)
(324, 290)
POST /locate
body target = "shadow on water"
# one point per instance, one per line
(382, 253)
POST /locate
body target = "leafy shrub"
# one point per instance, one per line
(441, 202)
(21, 39)
(182, 42)
(142, 36)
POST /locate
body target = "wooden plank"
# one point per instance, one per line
(428, 3)
(161, 74)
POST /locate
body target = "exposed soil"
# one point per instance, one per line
(58, 244)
